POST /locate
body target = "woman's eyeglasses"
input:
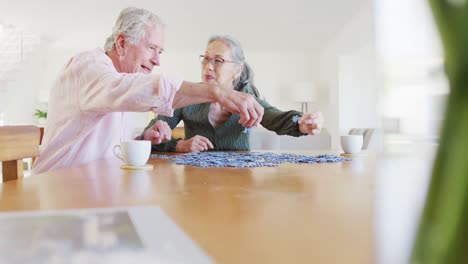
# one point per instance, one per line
(217, 62)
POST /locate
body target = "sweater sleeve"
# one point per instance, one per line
(279, 121)
(169, 146)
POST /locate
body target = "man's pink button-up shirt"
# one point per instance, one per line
(89, 109)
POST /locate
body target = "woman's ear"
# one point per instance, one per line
(120, 44)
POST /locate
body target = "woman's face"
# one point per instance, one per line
(217, 65)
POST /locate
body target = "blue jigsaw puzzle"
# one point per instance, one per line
(246, 160)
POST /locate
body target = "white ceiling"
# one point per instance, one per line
(261, 25)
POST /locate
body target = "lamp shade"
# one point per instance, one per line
(304, 92)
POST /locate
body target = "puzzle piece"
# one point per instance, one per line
(296, 118)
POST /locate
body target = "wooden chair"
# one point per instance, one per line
(41, 135)
(178, 132)
(16, 144)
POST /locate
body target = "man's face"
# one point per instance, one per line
(143, 55)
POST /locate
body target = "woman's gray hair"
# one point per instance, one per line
(237, 53)
(132, 22)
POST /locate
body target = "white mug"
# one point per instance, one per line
(133, 152)
(351, 144)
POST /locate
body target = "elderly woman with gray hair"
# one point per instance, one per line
(91, 100)
(209, 126)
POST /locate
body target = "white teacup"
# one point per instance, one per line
(133, 152)
(351, 144)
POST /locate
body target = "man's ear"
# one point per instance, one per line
(120, 43)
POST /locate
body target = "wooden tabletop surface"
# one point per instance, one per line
(294, 213)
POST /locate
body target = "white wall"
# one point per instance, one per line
(31, 81)
(22, 89)
(345, 65)
(357, 90)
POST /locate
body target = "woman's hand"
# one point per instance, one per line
(194, 144)
(311, 123)
(158, 133)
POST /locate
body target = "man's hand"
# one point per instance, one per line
(245, 105)
(195, 144)
(242, 104)
(311, 123)
(158, 133)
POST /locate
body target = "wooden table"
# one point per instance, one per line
(295, 213)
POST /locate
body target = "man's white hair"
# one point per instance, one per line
(132, 23)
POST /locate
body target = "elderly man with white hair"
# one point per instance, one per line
(92, 99)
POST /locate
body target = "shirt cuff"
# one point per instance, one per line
(168, 86)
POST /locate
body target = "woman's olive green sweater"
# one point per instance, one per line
(230, 135)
